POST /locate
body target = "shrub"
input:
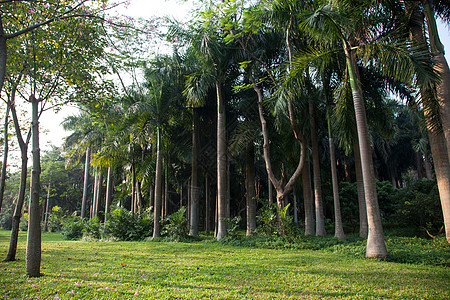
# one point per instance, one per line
(56, 219)
(72, 228)
(233, 226)
(93, 229)
(23, 225)
(6, 218)
(126, 226)
(175, 225)
(267, 219)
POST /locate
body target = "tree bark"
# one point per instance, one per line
(5, 156)
(46, 208)
(99, 194)
(3, 55)
(33, 252)
(376, 247)
(250, 188)
(338, 227)
(207, 206)
(318, 200)
(307, 199)
(23, 144)
(109, 189)
(221, 166)
(158, 192)
(86, 183)
(194, 219)
(363, 226)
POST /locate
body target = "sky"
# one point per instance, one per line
(52, 132)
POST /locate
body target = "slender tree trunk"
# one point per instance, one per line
(158, 192)
(46, 208)
(109, 189)
(295, 208)
(270, 190)
(207, 206)
(376, 247)
(250, 187)
(338, 229)
(5, 157)
(419, 164)
(320, 219)
(33, 253)
(221, 166)
(11, 256)
(86, 183)
(363, 226)
(133, 189)
(166, 189)
(99, 194)
(194, 219)
(3, 55)
(138, 197)
(307, 199)
(94, 195)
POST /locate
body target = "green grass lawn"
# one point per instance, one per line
(206, 270)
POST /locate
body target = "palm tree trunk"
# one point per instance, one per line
(376, 247)
(320, 219)
(138, 197)
(441, 67)
(338, 229)
(307, 199)
(5, 156)
(221, 166)
(194, 219)
(33, 252)
(86, 183)
(250, 188)
(158, 192)
(166, 189)
(109, 190)
(46, 208)
(99, 194)
(207, 206)
(363, 226)
(439, 149)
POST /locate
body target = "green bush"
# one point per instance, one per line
(267, 219)
(125, 226)
(56, 219)
(175, 225)
(72, 228)
(418, 207)
(93, 229)
(6, 218)
(23, 225)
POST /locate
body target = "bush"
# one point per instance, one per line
(175, 225)
(125, 226)
(267, 219)
(6, 218)
(418, 206)
(23, 225)
(56, 219)
(72, 228)
(93, 229)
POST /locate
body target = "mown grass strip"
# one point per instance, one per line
(199, 270)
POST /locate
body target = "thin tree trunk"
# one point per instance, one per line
(133, 189)
(270, 190)
(86, 183)
(320, 219)
(221, 166)
(207, 206)
(166, 189)
(307, 199)
(250, 187)
(3, 55)
(338, 229)
(158, 192)
(376, 247)
(5, 156)
(33, 252)
(46, 208)
(363, 226)
(295, 208)
(94, 195)
(138, 197)
(99, 194)
(428, 169)
(194, 219)
(109, 189)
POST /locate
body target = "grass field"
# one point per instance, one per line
(207, 270)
